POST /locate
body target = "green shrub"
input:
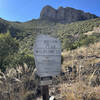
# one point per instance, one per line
(8, 47)
(10, 55)
(25, 58)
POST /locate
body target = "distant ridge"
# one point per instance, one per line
(48, 17)
(65, 15)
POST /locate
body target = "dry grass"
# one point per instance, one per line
(91, 55)
(79, 91)
(87, 58)
(18, 84)
(21, 83)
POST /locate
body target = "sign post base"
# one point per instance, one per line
(45, 92)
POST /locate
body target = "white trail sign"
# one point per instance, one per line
(47, 53)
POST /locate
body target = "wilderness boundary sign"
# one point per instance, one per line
(47, 54)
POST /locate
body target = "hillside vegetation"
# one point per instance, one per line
(71, 35)
(82, 84)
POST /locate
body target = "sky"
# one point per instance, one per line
(24, 10)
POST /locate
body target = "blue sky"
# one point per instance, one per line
(24, 10)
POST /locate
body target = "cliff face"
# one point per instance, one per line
(3, 25)
(65, 15)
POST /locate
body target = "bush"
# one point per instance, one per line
(25, 58)
(8, 48)
(10, 55)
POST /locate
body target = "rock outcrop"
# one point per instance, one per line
(65, 15)
(3, 25)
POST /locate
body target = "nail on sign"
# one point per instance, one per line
(47, 53)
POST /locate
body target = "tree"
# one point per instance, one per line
(8, 47)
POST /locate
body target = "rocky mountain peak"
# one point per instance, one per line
(48, 13)
(65, 15)
(60, 8)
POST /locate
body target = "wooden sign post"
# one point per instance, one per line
(47, 54)
(45, 92)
